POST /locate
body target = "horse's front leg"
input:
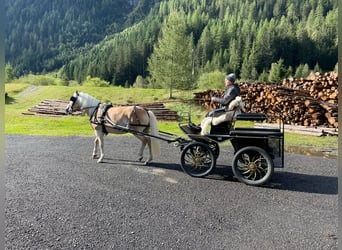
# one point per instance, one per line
(95, 147)
(99, 143)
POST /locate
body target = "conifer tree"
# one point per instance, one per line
(170, 63)
(278, 71)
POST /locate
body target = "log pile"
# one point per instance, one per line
(159, 110)
(56, 108)
(49, 108)
(306, 102)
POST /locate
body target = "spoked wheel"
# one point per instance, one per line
(252, 166)
(197, 159)
(215, 148)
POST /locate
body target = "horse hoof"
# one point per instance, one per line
(146, 163)
(140, 158)
(94, 156)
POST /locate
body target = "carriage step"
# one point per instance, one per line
(256, 132)
(190, 129)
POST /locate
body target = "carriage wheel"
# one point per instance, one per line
(252, 166)
(215, 148)
(197, 159)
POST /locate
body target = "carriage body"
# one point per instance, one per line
(257, 151)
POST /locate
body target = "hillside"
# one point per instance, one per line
(43, 35)
(113, 39)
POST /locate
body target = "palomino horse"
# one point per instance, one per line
(111, 119)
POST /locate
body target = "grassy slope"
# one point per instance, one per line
(23, 96)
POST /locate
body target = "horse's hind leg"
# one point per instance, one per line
(149, 143)
(144, 141)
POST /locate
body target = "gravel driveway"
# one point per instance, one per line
(57, 197)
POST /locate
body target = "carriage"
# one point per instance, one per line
(257, 151)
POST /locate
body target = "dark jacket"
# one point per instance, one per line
(231, 92)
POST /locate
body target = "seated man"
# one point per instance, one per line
(233, 90)
(222, 115)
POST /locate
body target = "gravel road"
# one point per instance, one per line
(57, 197)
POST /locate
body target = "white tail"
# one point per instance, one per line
(153, 129)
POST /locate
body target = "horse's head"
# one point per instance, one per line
(81, 101)
(72, 103)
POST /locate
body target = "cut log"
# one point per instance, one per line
(310, 102)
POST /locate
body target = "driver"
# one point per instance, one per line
(233, 91)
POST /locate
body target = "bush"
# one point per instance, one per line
(41, 80)
(212, 80)
(95, 82)
(140, 82)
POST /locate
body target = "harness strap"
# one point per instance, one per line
(134, 112)
(93, 114)
(104, 111)
(93, 118)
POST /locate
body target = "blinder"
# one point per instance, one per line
(73, 99)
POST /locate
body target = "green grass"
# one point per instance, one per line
(324, 143)
(21, 99)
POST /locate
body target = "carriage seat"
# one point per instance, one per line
(225, 116)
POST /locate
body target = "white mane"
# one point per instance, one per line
(86, 100)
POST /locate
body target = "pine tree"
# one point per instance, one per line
(170, 63)
(278, 71)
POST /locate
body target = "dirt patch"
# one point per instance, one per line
(28, 91)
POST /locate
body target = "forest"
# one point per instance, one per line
(43, 35)
(113, 40)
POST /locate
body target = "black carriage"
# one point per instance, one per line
(257, 151)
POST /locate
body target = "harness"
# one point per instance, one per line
(103, 118)
(93, 117)
(134, 112)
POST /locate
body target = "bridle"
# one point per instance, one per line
(73, 99)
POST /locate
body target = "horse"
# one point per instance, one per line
(106, 119)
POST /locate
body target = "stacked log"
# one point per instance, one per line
(51, 107)
(158, 109)
(306, 102)
(56, 108)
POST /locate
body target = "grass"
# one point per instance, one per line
(21, 97)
